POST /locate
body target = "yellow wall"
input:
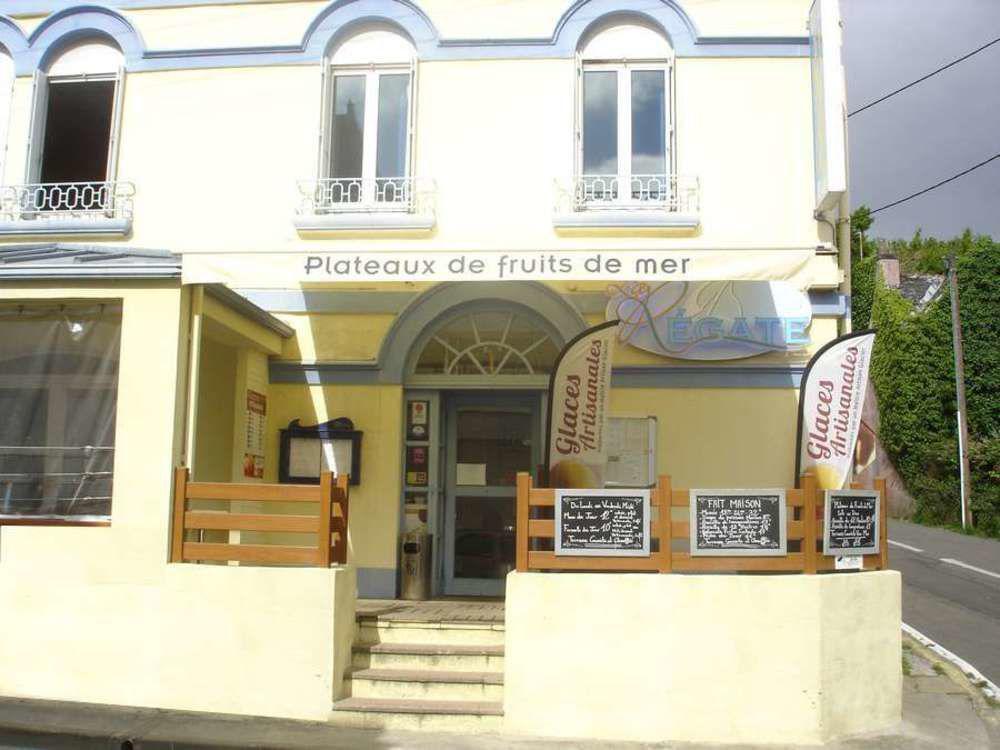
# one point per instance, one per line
(378, 412)
(743, 127)
(216, 398)
(100, 616)
(719, 437)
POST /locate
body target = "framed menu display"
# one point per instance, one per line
(331, 446)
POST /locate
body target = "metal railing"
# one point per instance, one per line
(41, 486)
(67, 200)
(638, 192)
(356, 194)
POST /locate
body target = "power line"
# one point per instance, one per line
(921, 80)
(933, 187)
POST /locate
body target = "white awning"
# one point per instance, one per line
(289, 270)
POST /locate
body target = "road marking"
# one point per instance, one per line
(904, 546)
(970, 567)
(975, 676)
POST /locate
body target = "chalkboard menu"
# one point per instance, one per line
(851, 522)
(738, 522)
(602, 523)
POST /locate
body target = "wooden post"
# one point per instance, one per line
(180, 503)
(344, 496)
(523, 511)
(325, 518)
(809, 505)
(964, 474)
(664, 492)
(883, 523)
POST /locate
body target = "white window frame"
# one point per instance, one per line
(40, 113)
(624, 70)
(372, 74)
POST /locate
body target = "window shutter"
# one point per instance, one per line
(411, 154)
(36, 130)
(578, 117)
(671, 106)
(116, 126)
(325, 134)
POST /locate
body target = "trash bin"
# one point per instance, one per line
(415, 560)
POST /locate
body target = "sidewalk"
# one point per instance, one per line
(941, 709)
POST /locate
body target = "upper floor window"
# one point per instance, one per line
(368, 93)
(73, 146)
(624, 120)
(76, 113)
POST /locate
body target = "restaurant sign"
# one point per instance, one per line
(286, 269)
(711, 320)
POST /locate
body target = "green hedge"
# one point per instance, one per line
(913, 373)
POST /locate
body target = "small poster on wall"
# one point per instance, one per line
(253, 458)
(418, 420)
(416, 465)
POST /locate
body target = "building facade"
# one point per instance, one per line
(398, 213)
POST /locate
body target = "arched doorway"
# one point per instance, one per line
(476, 374)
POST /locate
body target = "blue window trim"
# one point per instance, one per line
(341, 16)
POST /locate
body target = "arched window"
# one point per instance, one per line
(368, 85)
(624, 121)
(490, 344)
(75, 125)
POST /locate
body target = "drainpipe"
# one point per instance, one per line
(194, 368)
(840, 236)
(844, 260)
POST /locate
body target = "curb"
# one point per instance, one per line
(988, 688)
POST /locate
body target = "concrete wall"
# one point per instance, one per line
(721, 659)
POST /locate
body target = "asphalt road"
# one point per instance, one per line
(951, 590)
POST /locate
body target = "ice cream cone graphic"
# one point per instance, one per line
(827, 477)
(571, 474)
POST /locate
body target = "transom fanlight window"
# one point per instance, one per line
(488, 343)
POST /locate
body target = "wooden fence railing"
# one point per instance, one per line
(328, 523)
(535, 535)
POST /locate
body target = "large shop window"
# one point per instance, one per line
(368, 121)
(76, 119)
(58, 398)
(624, 120)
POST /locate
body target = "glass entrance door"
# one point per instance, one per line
(491, 437)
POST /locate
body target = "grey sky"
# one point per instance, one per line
(933, 130)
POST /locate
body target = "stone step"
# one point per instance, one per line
(425, 715)
(469, 658)
(434, 685)
(373, 630)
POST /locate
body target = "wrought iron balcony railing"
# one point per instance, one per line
(357, 195)
(67, 200)
(638, 192)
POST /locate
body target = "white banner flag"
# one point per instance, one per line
(579, 390)
(830, 404)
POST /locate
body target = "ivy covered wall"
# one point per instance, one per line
(914, 377)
